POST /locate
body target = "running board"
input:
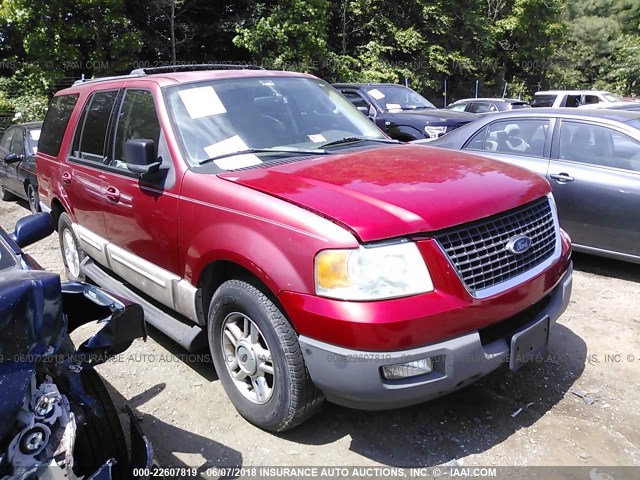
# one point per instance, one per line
(189, 336)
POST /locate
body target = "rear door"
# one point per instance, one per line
(595, 175)
(82, 175)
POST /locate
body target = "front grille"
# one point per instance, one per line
(478, 250)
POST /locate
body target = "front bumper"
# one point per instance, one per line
(353, 378)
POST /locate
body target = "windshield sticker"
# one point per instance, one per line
(34, 134)
(394, 106)
(317, 138)
(231, 145)
(202, 102)
(377, 94)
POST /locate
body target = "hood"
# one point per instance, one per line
(394, 191)
(436, 116)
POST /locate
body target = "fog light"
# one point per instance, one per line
(409, 369)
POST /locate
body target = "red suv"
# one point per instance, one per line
(263, 214)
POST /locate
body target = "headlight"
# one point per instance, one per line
(372, 273)
(435, 132)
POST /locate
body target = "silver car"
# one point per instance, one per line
(591, 158)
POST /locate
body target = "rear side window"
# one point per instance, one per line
(92, 130)
(543, 101)
(55, 123)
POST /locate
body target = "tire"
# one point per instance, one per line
(5, 195)
(72, 253)
(100, 436)
(33, 198)
(264, 339)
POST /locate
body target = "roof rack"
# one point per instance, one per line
(194, 67)
(83, 81)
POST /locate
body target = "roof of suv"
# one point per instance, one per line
(571, 92)
(173, 78)
(501, 100)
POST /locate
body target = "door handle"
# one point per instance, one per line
(113, 194)
(66, 178)
(562, 177)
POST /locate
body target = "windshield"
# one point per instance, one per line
(397, 97)
(609, 97)
(220, 117)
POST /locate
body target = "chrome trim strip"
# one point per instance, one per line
(93, 245)
(185, 296)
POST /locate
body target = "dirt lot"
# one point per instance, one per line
(533, 417)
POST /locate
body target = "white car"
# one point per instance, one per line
(571, 98)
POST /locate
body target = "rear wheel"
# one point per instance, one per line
(33, 198)
(72, 253)
(100, 437)
(258, 358)
(4, 194)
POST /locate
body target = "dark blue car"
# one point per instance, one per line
(56, 416)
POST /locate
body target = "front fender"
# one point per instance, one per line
(251, 250)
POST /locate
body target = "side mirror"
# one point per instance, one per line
(372, 111)
(140, 155)
(13, 158)
(33, 228)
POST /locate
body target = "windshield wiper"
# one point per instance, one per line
(358, 139)
(249, 151)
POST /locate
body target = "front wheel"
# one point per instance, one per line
(258, 358)
(72, 253)
(33, 198)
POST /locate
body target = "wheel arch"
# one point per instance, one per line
(216, 272)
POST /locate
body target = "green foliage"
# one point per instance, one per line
(525, 44)
(29, 108)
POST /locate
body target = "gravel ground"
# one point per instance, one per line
(536, 416)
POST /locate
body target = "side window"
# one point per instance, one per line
(356, 99)
(55, 123)
(590, 99)
(515, 137)
(5, 143)
(17, 146)
(137, 118)
(90, 136)
(598, 145)
(573, 101)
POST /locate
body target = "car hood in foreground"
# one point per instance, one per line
(400, 190)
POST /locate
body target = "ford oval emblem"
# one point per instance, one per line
(519, 244)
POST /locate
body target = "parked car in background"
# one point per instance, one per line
(261, 213)
(571, 98)
(486, 106)
(632, 106)
(57, 419)
(18, 148)
(401, 112)
(590, 157)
